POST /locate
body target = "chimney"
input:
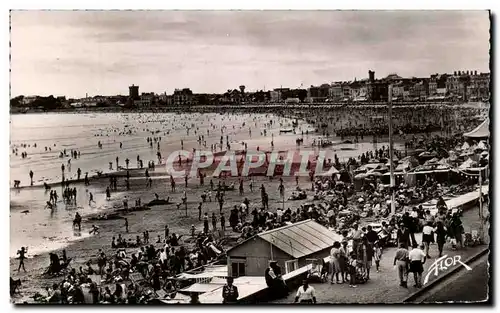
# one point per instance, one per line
(455, 73)
(371, 75)
(467, 72)
(475, 73)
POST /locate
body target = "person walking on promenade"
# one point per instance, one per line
(343, 260)
(427, 237)
(377, 255)
(126, 225)
(403, 235)
(441, 233)
(335, 263)
(417, 259)
(31, 177)
(401, 263)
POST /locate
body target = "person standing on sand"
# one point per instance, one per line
(108, 193)
(167, 231)
(222, 221)
(91, 198)
(31, 177)
(127, 161)
(214, 221)
(126, 225)
(125, 204)
(205, 223)
(87, 179)
(117, 159)
(185, 181)
(221, 202)
(22, 257)
(401, 263)
(199, 211)
(172, 183)
(78, 173)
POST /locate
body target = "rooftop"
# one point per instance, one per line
(301, 239)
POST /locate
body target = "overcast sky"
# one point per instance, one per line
(97, 52)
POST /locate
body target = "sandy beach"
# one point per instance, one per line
(44, 230)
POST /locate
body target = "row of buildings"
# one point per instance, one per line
(459, 86)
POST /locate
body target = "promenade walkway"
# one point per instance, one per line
(383, 287)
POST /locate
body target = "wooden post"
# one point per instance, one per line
(391, 152)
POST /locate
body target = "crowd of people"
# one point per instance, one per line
(337, 205)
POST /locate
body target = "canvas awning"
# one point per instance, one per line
(482, 131)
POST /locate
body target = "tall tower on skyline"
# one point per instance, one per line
(133, 92)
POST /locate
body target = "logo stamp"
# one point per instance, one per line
(443, 264)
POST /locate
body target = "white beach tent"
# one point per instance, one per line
(466, 164)
(481, 145)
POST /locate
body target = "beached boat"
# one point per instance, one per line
(286, 131)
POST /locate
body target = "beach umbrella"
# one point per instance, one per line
(465, 146)
(467, 164)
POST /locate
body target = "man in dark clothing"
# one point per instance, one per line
(229, 292)
(403, 236)
(411, 225)
(222, 221)
(371, 235)
(22, 257)
(274, 280)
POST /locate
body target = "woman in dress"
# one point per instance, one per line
(334, 262)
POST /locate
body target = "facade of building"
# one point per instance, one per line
(289, 245)
(146, 100)
(318, 93)
(275, 96)
(182, 97)
(479, 87)
(335, 92)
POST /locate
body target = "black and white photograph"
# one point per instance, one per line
(249, 157)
